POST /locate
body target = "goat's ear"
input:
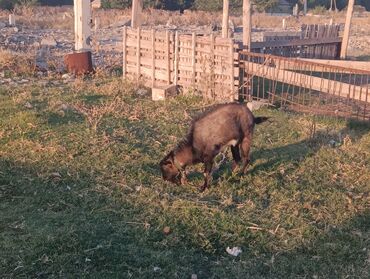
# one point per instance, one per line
(167, 160)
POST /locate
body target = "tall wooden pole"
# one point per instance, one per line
(347, 28)
(304, 7)
(137, 7)
(247, 24)
(225, 20)
(82, 17)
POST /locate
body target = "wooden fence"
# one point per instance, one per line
(198, 63)
(306, 86)
(316, 41)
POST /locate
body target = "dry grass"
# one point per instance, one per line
(79, 199)
(16, 64)
(62, 18)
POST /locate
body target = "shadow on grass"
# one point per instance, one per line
(297, 152)
(48, 229)
(65, 226)
(68, 117)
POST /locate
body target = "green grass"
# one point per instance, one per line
(81, 193)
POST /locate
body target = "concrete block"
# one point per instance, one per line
(162, 92)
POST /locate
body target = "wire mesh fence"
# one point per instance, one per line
(305, 86)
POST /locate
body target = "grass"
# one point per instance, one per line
(81, 194)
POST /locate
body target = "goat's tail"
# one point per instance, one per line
(259, 120)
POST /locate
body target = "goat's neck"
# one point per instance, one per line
(184, 156)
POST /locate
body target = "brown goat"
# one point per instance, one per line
(223, 125)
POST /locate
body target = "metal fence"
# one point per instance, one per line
(305, 86)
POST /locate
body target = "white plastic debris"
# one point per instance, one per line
(235, 251)
(156, 269)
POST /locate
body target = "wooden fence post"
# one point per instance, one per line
(124, 60)
(225, 19)
(247, 24)
(347, 28)
(82, 16)
(11, 19)
(137, 7)
(138, 52)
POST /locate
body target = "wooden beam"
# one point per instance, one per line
(82, 16)
(347, 28)
(153, 57)
(341, 89)
(176, 66)
(225, 19)
(354, 65)
(137, 7)
(247, 24)
(297, 42)
(193, 53)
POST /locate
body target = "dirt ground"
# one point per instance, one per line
(47, 33)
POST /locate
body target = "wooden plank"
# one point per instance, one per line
(193, 44)
(294, 78)
(231, 66)
(138, 52)
(124, 52)
(153, 58)
(176, 66)
(168, 59)
(307, 42)
(346, 66)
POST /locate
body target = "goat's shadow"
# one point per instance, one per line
(299, 151)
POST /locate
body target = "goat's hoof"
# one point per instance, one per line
(183, 181)
(202, 188)
(234, 167)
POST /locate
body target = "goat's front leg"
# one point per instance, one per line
(207, 174)
(184, 179)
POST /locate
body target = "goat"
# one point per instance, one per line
(223, 125)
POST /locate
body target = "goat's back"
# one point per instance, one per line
(221, 125)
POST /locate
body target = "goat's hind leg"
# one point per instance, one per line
(245, 147)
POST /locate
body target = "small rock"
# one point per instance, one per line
(49, 41)
(16, 29)
(255, 105)
(167, 230)
(2, 74)
(23, 81)
(66, 76)
(235, 251)
(142, 92)
(28, 105)
(194, 276)
(2, 25)
(64, 107)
